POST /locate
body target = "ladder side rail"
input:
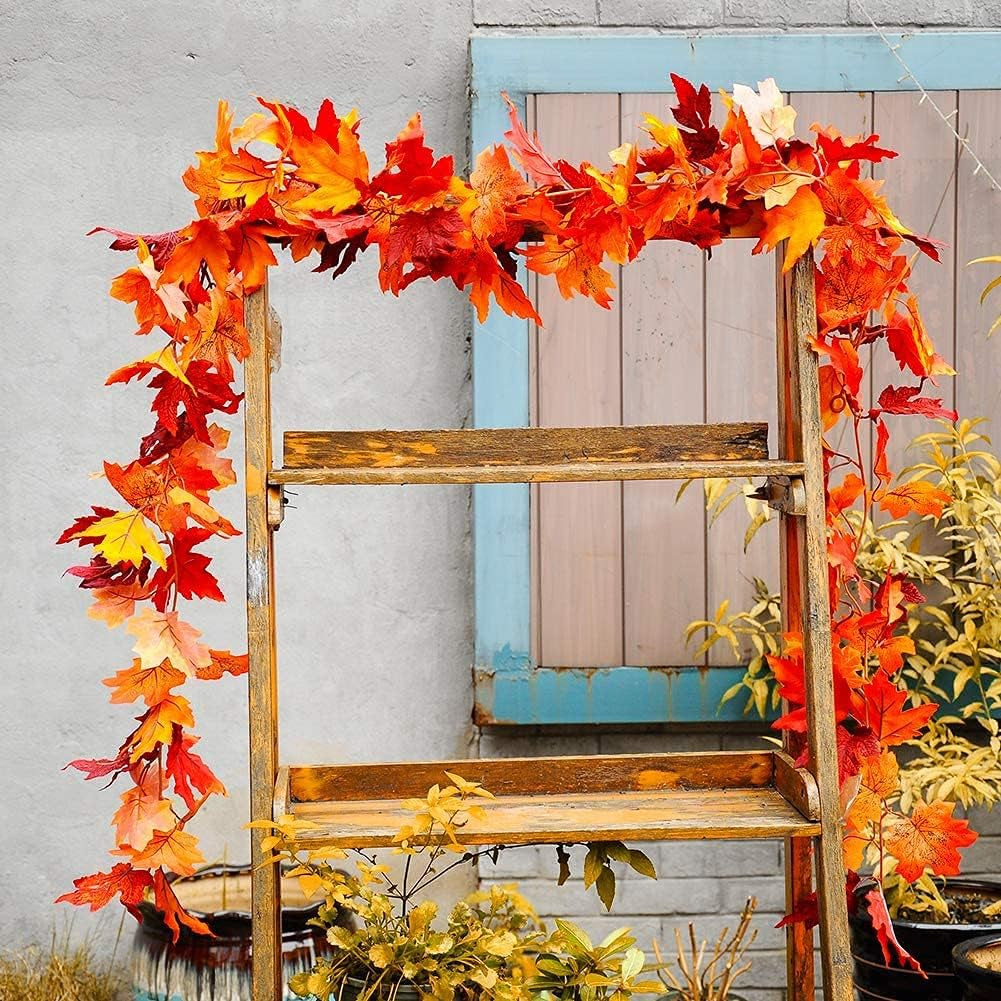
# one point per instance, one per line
(800, 973)
(805, 559)
(266, 982)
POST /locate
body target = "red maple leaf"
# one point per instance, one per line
(885, 714)
(905, 400)
(99, 889)
(174, 915)
(187, 769)
(883, 927)
(693, 113)
(527, 151)
(929, 839)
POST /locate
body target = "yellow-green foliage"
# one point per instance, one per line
(957, 632)
(59, 973)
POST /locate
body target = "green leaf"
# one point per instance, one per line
(593, 863)
(605, 885)
(640, 863)
(574, 937)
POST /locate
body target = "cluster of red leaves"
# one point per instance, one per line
(278, 179)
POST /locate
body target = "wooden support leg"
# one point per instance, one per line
(262, 681)
(807, 607)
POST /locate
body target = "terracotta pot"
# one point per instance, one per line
(930, 944)
(200, 968)
(977, 963)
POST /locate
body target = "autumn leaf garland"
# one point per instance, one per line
(280, 180)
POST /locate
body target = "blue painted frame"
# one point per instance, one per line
(510, 688)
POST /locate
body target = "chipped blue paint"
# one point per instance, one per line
(510, 687)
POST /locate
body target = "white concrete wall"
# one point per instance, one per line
(103, 105)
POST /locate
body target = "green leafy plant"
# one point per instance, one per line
(485, 942)
(571, 968)
(699, 978)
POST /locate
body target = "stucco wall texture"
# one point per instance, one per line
(103, 104)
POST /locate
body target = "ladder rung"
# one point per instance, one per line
(576, 472)
(641, 797)
(518, 455)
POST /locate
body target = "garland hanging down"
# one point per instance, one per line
(278, 179)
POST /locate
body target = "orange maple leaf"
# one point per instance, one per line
(99, 889)
(152, 684)
(174, 915)
(157, 724)
(243, 175)
(574, 272)
(142, 812)
(223, 662)
(800, 221)
(117, 604)
(930, 838)
(337, 174)
(916, 497)
(496, 184)
(220, 334)
(173, 849)
(205, 242)
(164, 636)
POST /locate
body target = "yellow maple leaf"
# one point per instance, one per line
(124, 537)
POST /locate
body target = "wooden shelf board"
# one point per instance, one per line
(579, 817)
(570, 472)
(639, 797)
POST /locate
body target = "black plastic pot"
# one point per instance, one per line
(930, 944)
(202, 968)
(352, 989)
(979, 982)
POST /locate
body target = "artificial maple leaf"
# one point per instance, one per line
(187, 769)
(800, 221)
(156, 725)
(133, 286)
(124, 537)
(205, 242)
(908, 339)
(161, 245)
(917, 497)
(252, 254)
(174, 915)
(151, 684)
(143, 811)
(845, 293)
(885, 713)
(223, 662)
(187, 570)
(574, 272)
(98, 890)
(243, 175)
(174, 849)
(164, 636)
(693, 113)
(527, 151)
(163, 359)
(220, 334)
(837, 149)
(906, 400)
(185, 505)
(100, 768)
(843, 496)
(890, 652)
(339, 171)
(116, 604)
(200, 393)
(855, 744)
(769, 117)
(497, 184)
(928, 840)
(879, 777)
(882, 925)
(199, 465)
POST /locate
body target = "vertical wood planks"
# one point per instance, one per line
(262, 680)
(664, 560)
(580, 525)
(739, 382)
(920, 186)
(978, 359)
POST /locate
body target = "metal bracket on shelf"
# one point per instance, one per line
(783, 493)
(276, 505)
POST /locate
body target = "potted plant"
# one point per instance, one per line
(947, 649)
(978, 965)
(712, 979)
(397, 948)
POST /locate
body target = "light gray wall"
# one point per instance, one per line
(103, 105)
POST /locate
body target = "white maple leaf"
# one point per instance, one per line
(767, 113)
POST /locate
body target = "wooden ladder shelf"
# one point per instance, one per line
(628, 797)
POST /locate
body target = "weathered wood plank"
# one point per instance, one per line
(579, 362)
(663, 538)
(805, 432)
(627, 816)
(533, 446)
(543, 776)
(262, 681)
(576, 472)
